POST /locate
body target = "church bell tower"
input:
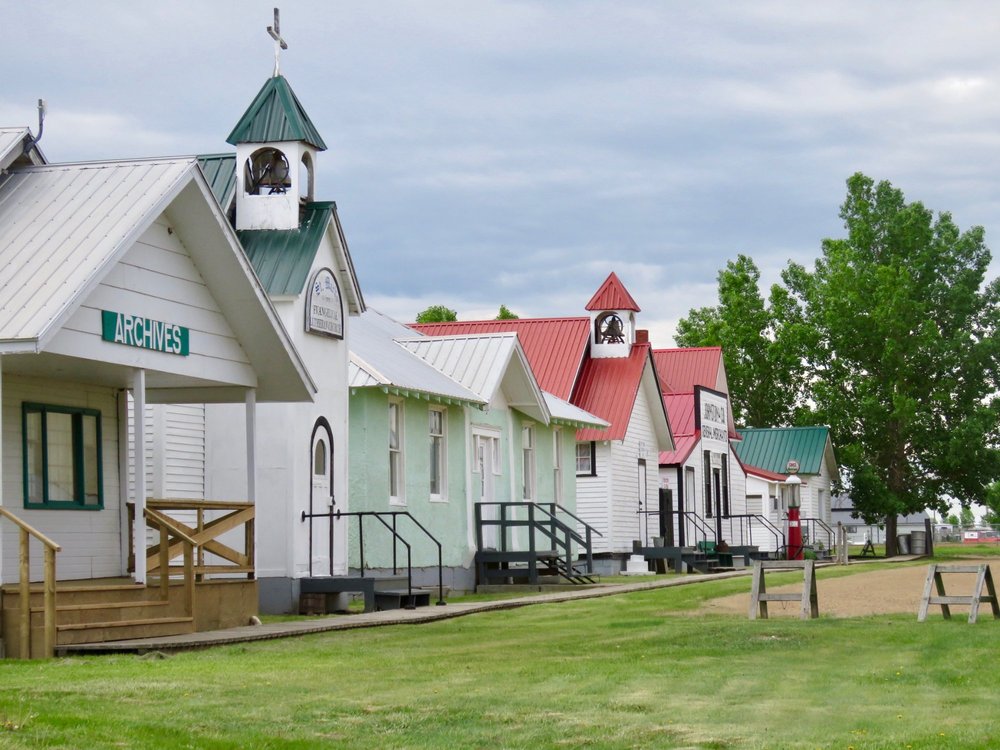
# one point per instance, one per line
(276, 146)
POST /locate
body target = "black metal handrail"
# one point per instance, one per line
(777, 533)
(812, 523)
(690, 516)
(397, 538)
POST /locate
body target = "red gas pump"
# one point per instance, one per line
(791, 492)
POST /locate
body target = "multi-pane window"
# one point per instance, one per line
(437, 467)
(62, 457)
(585, 459)
(528, 461)
(396, 452)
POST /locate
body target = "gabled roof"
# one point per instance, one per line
(276, 114)
(382, 342)
(283, 258)
(13, 142)
(612, 295)
(555, 347)
(486, 365)
(378, 361)
(220, 171)
(42, 212)
(63, 227)
(681, 369)
(771, 448)
(608, 387)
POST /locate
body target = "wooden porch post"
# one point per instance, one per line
(139, 420)
(251, 414)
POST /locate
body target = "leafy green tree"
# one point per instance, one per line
(966, 516)
(762, 345)
(506, 314)
(952, 519)
(437, 314)
(905, 353)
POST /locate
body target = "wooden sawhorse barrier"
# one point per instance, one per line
(983, 577)
(759, 596)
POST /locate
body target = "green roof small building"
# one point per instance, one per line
(765, 453)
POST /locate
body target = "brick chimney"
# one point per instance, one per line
(642, 336)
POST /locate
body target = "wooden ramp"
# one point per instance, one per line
(808, 598)
(983, 578)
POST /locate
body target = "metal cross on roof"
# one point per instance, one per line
(279, 43)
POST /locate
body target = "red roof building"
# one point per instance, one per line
(682, 369)
(604, 365)
(703, 472)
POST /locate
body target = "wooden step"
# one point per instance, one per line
(390, 599)
(104, 605)
(99, 632)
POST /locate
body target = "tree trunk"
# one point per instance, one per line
(891, 549)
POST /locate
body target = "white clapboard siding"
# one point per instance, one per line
(158, 280)
(625, 489)
(90, 539)
(593, 498)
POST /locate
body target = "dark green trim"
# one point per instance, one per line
(77, 414)
(282, 258)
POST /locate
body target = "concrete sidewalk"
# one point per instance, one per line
(432, 613)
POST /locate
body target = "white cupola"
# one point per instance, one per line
(276, 146)
(612, 320)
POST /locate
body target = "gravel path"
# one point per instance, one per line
(882, 591)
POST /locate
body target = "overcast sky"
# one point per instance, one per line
(516, 152)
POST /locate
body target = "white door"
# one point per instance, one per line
(322, 502)
(486, 452)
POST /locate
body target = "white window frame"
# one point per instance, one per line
(441, 496)
(591, 459)
(529, 485)
(397, 455)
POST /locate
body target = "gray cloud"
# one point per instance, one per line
(515, 152)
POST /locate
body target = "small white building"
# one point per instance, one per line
(765, 454)
(122, 285)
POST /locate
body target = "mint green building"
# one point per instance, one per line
(439, 424)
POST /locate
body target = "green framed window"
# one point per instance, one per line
(62, 457)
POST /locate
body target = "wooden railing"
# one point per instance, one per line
(24, 591)
(168, 526)
(204, 535)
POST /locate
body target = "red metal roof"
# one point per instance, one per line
(680, 370)
(763, 473)
(555, 347)
(612, 296)
(607, 387)
(683, 446)
(680, 412)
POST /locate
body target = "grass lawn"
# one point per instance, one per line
(629, 671)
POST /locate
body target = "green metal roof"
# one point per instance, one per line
(220, 171)
(275, 115)
(282, 257)
(771, 448)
